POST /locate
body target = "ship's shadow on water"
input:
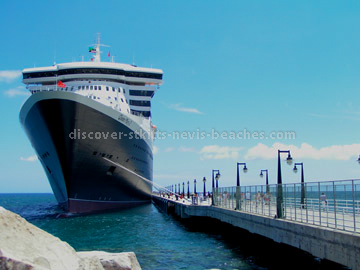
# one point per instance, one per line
(256, 250)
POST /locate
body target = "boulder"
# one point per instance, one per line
(114, 261)
(24, 246)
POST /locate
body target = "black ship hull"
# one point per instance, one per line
(91, 154)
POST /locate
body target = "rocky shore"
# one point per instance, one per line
(24, 246)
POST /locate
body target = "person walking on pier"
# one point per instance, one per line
(323, 200)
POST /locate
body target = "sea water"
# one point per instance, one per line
(161, 241)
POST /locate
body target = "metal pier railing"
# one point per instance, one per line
(333, 204)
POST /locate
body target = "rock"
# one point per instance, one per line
(114, 261)
(24, 246)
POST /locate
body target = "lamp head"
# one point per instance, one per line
(245, 169)
(261, 174)
(358, 160)
(217, 176)
(195, 181)
(295, 169)
(204, 179)
(289, 159)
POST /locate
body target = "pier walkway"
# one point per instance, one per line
(321, 218)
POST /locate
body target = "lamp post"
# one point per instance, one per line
(279, 196)
(183, 190)
(204, 180)
(267, 179)
(179, 189)
(302, 182)
(245, 169)
(216, 177)
(238, 195)
(358, 160)
(195, 186)
(188, 193)
(175, 188)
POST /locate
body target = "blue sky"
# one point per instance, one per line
(262, 66)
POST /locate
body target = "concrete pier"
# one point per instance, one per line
(327, 243)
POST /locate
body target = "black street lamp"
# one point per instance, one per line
(216, 177)
(245, 169)
(267, 179)
(175, 188)
(188, 189)
(179, 189)
(238, 196)
(195, 186)
(204, 180)
(279, 196)
(183, 190)
(302, 182)
(358, 160)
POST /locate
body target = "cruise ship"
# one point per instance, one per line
(90, 125)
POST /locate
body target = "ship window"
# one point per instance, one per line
(119, 90)
(107, 88)
(111, 170)
(113, 89)
(124, 91)
(115, 98)
(91, 87)
(142, 103)
(127, 101)
(79, 87)
(98, 98)
(95, 87)
(83, 87)
(94, 97)
(122, 100)
(99, 87)
(143, 113)
(141, 93)
(87, 87)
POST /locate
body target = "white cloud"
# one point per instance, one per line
(333, 152)
(18, 91)
(184, 149)
(219, 152)
(9, 75)
(180, 108)
(29, 159)
(169, 149)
